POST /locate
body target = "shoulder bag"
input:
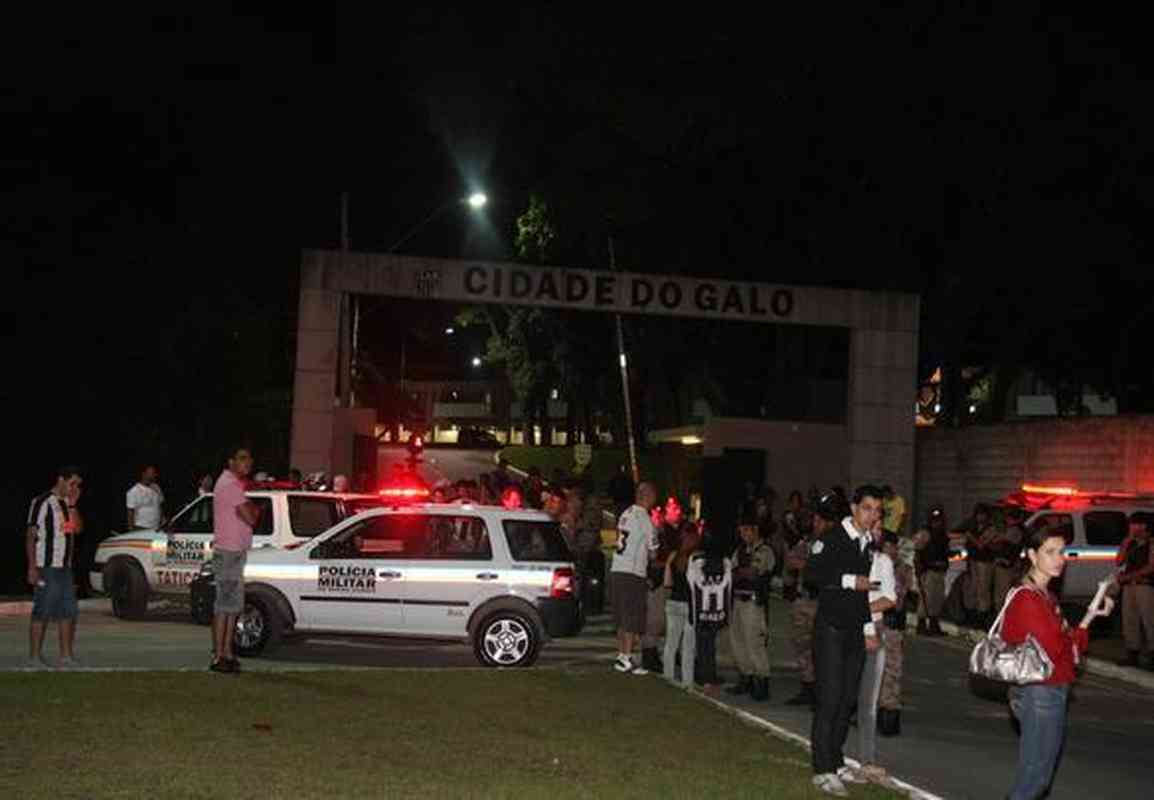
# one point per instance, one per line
(1026, 662)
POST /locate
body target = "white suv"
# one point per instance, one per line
(131, 567)
(500, 579)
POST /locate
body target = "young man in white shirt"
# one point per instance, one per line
(145, 502)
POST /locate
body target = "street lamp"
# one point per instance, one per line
(476, 361)
(450, 331)
(475, 201)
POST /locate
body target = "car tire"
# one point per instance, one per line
(200, 606)
(507, 638)
(128, 589)
(259, 627)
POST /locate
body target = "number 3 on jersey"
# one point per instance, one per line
(622, 538)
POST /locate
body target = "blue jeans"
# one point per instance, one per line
(1041, 711)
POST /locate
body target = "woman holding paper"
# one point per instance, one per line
(1041, 707)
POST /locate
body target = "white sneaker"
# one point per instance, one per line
(848, 774)
(623, 664)
(37, 664)
(70, 663)
(639, 670)
(830, 784)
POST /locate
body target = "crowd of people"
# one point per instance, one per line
(847, 567)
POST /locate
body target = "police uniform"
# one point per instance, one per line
(749, 634)
(933, 561)
(1137, 599)
(1006, 558)
(981, 560)
(893, 639)
(843, 617)
(802, 614)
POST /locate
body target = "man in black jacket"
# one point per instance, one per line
(838, 570)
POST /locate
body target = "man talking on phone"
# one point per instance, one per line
(838, 571)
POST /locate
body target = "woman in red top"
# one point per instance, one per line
(1041, 707)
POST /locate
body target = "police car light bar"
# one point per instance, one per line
(1059, 491)
(407, 492)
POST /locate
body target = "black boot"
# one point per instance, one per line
(936, 628)
(759, 689)
(923, 626)
(743, 686)
(805, 697)
(889, 721)
(650, 660)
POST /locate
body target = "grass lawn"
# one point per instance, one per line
(515, 734)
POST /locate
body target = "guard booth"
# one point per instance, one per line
(873, 442)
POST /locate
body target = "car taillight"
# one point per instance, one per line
(562, 585)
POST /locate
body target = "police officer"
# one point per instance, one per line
(1136, 578)
(753, 562)
(1007, 555)
(980, 548)
(828, 512)
(893, 639)
(932, 560)
(838, 569)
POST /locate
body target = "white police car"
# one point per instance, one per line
(498, 578)
(132, 567)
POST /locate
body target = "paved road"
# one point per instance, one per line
(961, 745)
(437, 463)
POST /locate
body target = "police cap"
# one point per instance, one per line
(831, 506)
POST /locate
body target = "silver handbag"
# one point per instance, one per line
(992, 658)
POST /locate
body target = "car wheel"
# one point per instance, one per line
(258, 626)
(507, 639)
(200, 604)
(128, 589)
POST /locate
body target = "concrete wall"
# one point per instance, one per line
(960, 467)
(315, 380)
(798, 455)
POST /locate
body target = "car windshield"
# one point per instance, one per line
(532, 540)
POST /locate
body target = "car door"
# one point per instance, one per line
(355, 580)
(1090, 558)
(190, 541)
(188, 547)
(450, 575)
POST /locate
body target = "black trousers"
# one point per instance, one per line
(706, 654)
(838, 658)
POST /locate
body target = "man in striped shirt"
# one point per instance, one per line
(53, 524)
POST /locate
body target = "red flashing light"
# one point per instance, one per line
(1058, 491)
(561, 587)
(672, 511)
(405, 492)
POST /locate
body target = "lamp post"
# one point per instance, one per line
(476, 201)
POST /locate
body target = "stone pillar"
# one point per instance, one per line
(882, 385)
(314, 384)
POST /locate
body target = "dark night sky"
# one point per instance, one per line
(161, 174)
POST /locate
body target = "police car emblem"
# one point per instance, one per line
(818, 546)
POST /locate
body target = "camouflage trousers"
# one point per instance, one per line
(801, 617)
(891, 692)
